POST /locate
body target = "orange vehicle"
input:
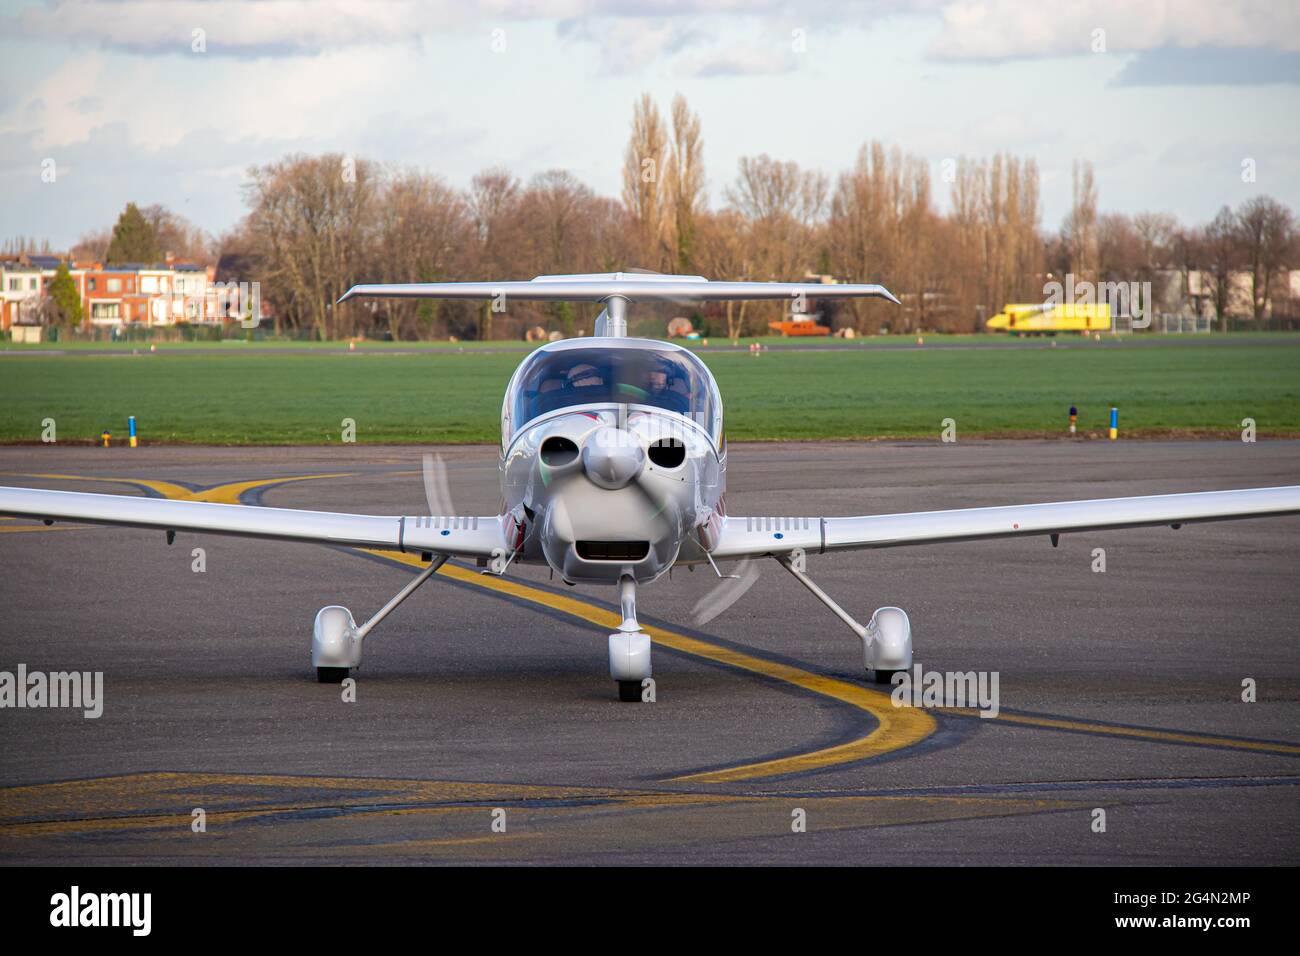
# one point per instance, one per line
(798, 327)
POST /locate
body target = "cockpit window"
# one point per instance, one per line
(670, 379)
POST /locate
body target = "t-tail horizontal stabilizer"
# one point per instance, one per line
(628, 286)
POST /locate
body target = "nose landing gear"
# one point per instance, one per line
(629, 646)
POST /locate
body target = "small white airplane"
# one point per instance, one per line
(613, 470)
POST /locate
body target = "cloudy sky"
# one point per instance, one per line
(132, 102)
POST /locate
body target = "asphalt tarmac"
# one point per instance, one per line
(486, 729)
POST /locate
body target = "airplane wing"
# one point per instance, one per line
(455, 536)
(755, 537)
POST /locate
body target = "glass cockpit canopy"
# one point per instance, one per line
(621, 372)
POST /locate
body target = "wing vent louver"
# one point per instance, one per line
(448, 522)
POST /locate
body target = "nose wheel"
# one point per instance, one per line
(629, 646)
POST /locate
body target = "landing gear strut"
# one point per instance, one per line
(629, 647)
(336, 640)
(886, 639)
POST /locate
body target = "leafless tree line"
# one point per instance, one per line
(318, 224)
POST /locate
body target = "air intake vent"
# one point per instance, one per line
(667, 452)
(613, 550)
(558, 451)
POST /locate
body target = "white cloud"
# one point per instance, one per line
(642, 30)
(737, 61)
(240, 27)
(629, 45)
(1000, 29)
(130, 113)
(303, 97)
(304, 27)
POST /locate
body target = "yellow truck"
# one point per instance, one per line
(1039, 318)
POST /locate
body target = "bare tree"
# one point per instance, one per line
(724, 253)
(1266, 235)
(1157, 233)
(783, 207)
(860, 228)
(1028, 259)
(1080, 227)
(1157, 236)
(881, 229)
(554, 207)
(685, 182)
(556, 216)
(644, 194)
(1119, 248)
(92, 246)
(999, 251)
(422, 227)
(494, 201)
(26, 245)
(1221, 256)
(309, 219)
(177, 236)
(974, 301)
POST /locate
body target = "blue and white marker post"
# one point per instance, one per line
(130, 422)
(1114, 423)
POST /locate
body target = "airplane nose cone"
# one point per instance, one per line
(612, 458)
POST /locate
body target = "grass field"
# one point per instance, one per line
(301, 398)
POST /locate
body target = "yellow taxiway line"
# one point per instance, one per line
(165, 488)
(1136, 733)
(894, 728)
(20, 528)
(227, 494)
